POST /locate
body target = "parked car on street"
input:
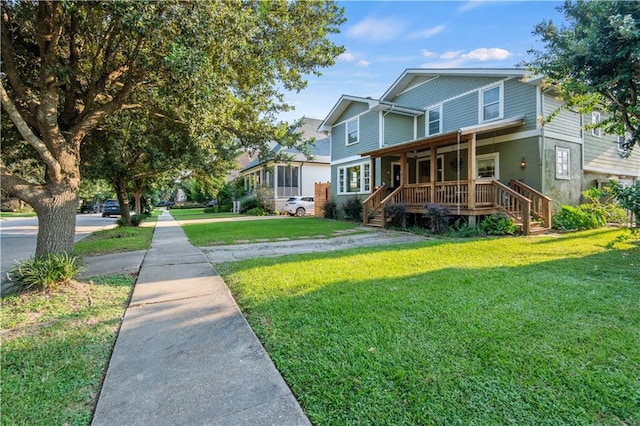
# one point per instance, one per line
(111, 208)
(89, 207)
(299, 206)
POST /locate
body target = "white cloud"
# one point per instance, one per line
(427, 33)
(487, 54)
(470, 5)
(451, 54)
(427, 53)
(346, 57)
(376, 30)
(362, 63)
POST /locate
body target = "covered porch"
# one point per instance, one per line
(446, 170)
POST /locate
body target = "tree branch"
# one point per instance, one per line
(17, 187)
(30, 137)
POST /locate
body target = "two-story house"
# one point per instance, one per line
(470, 139)
(295, 172)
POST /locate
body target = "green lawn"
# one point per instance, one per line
(193, 214)
(524, 331)
(205, 234)
(115, 240)
(55, 349)
(15, 214)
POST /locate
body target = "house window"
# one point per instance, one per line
(491, 105)
(595, 119)
(487, 166)
(354, 179)
(434, 125)
(288, 181)
(352, 132)
(562, 163)
(424, 170)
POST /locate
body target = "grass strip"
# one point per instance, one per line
(115, 240)
(199, 213)
(233, 232)
(56, 348)
(525, 331)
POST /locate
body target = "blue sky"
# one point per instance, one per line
(383, 38)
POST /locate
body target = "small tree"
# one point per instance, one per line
(438, 217)
(628, 197)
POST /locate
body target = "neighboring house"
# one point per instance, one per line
(471, 139)
(297, 176)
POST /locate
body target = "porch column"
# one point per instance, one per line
(404, 169)
(471, 171)
(372, 175)
(433, 173)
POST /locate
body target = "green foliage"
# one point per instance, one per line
(257, 211)
(137, 219)
(330, 209)
(498, 224)
(352, 209)
(462, 229)
(600, 203)
(213, 209)
(44, 273)
(248, 203)
(593, 61)
(628, 197)
(575, 218)
(397, 213)
(437, 216)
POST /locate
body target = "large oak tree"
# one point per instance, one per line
(67, 66)
(594, 61)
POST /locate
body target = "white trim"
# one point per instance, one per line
(347, 160)
(481, 105)
(380, 129)
(496, 170)
(362, 164)
(440, 108)
(611, 171)
(346, 131)
(559, 174)
(565, 138)
(596, 117)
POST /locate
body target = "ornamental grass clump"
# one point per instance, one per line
(44, 273)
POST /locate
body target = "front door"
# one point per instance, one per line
(397, 171)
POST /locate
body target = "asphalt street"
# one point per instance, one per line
(18, 236)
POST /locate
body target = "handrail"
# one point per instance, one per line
(514, 204)
(371, 203)
(541, 204)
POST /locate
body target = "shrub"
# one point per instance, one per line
(438, 217)
(628, 197)
(248, 203)
(575, 219)
(396, 213)
(498, 224)
(213, 209)
(462, 229)
(353, 209)
(256, 211)
(137, 219)
(45, 272)
(330, 209)
(122, 222)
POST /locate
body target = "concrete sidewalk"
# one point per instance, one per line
(185, 354)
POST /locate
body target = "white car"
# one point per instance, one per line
(299, 206)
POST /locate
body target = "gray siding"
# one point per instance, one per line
(421, 126)
(353, 110)
(397, 129)
(367, 138)
(601, 153)
(460, 112)
(520, 100)
(441, 89)
(565, 123)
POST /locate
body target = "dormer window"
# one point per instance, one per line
(352, 132)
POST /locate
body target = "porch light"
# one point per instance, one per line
(523, 163)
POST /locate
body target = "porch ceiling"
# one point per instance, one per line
(444, 139)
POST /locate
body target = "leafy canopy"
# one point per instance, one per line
(594, 61)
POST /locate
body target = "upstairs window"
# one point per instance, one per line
(595, 119)
(352, 132)
(491, 105)
(434, 123)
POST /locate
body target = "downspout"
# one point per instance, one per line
(543, 145)
(300, 179)
(458, 172)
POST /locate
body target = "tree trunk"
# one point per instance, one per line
(56, 222)
(137, 195)
(123, 199)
